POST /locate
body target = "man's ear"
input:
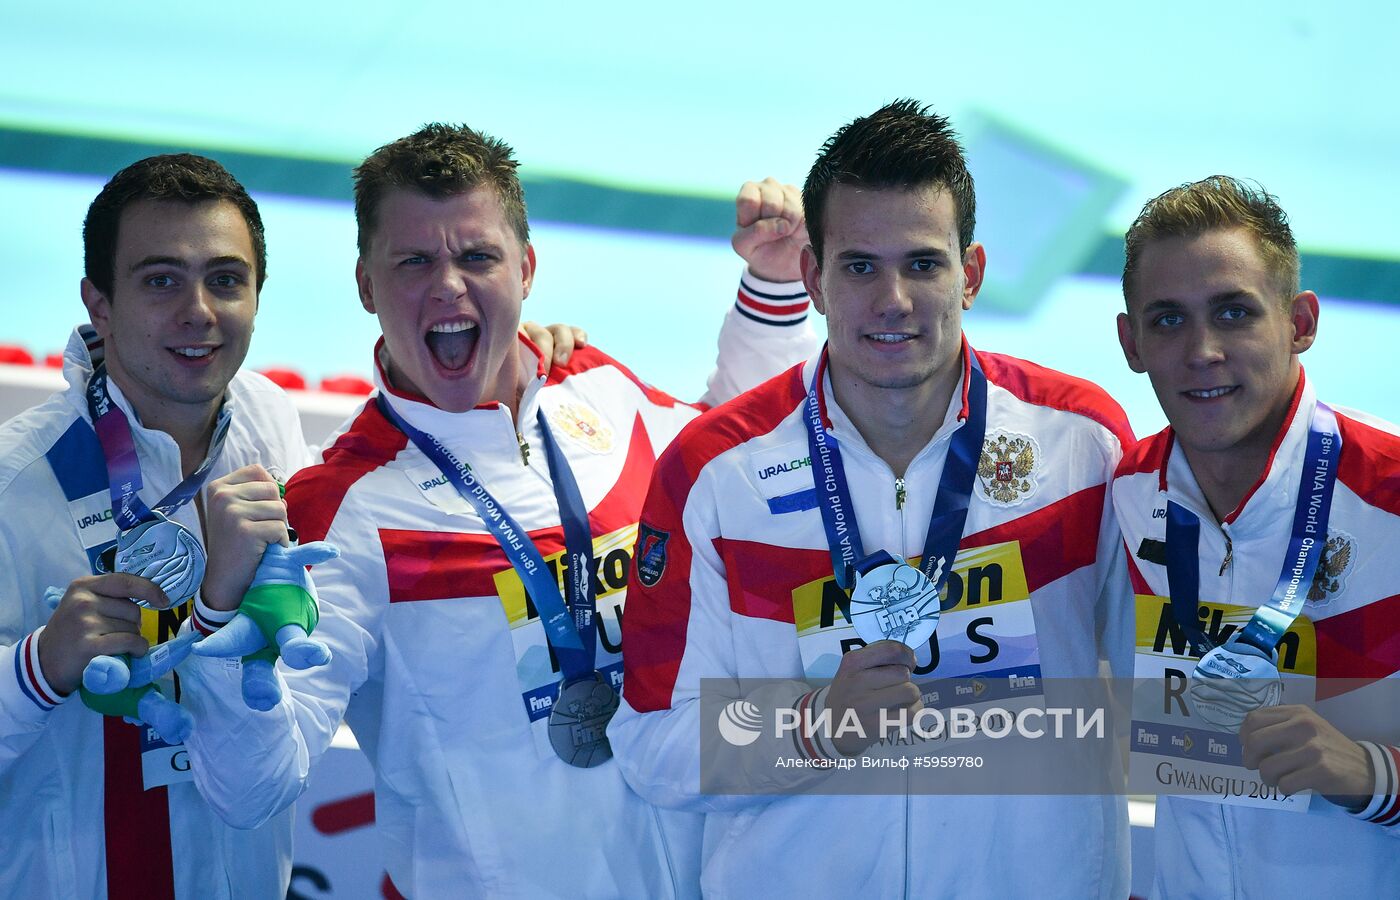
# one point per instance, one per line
(812, 278)
(974, 270)
(99, 308)
(1304, 313)
(365, 284)
(527, 270)
(1128, 342)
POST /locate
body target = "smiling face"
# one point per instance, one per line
(1207, 323)
(447, 277)
(893, 287)
(180, 316)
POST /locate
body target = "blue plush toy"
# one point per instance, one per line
(123, 686)
(276, 618)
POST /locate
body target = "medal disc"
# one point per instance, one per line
(578, 722)
(1230, 682)
(894, 602)
(167, 553)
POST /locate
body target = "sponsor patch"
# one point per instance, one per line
(438, 489)
(584, 426)
(1006, 471)
(781, 471)
(651, 554)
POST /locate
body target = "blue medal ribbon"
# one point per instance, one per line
(950, 505)
(572, 638)
(124, 468)
(1309, 536)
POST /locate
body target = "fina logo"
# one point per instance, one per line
(740, 723)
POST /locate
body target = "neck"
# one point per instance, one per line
(1225, 479)
(1226, 476)
(190, 425)
(896, 422)
(509, 386)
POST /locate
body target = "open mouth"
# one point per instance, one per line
(452, 343)
(889, 337)
(1212, 393)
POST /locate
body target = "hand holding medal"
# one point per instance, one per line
(1233, 680)
(165, 552)
(874, 679)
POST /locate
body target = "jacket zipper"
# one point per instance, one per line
(524, 449)
(899, 495)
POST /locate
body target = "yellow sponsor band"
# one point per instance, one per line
(159, 626)
(981, 577)
(612, 556)
(1158, 634)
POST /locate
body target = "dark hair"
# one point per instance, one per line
(441, 161)
(1219, 201)
(901, 145)
(173, 176)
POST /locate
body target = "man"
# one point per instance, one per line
(750, 524)
(1216, 319)
(442, 665)
(96, 807)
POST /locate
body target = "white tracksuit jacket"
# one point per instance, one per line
(743, 551)
(1349, 629)
(441, 668)
(53, 766)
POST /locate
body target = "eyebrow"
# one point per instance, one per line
(176, 262)
(482, 247)
(220, 261)
(920, 253)
(1166, 303)
(171, 261)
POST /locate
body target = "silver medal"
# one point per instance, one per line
(1230, 682)
(167, 553)
(578, 722)
(895, 602)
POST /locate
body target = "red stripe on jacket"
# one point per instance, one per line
(1056, 390)
(1370, 464)
(585, 358)
(655, 624)
(1055, 541)
(315, 493)
(1150, 455)
(432, 565)
(137, 821)
(1360, 646)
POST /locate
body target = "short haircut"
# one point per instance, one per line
(1219, 201)
(901, 145)
(441, 161)
(181, 177)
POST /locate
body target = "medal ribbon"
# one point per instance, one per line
(573, 638)
(136, 821)
(124, 469)
(1314, 506)
(950, 505)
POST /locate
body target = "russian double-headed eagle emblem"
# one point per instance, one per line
(584, 426)
(1332, 567)
(1006, 470)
